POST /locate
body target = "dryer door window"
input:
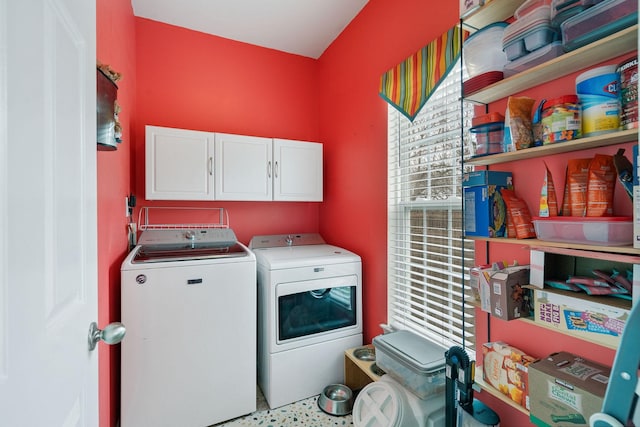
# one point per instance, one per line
(316, 306)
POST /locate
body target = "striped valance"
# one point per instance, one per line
(408, 85)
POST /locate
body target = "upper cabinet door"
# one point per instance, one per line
(243, 167)
(297, 171)
(179, 164)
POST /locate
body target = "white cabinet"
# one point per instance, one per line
(179, 164)
(297, 170)
(193, 165)
(243, 167)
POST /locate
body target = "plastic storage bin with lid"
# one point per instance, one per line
(597, 22)
(416, 363)
(531, 31)
(488, 131)
(601, 231)
(482, 51)
(561, 10)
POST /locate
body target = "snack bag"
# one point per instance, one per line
(520, 214)
(518, 124)
(548, 200)
(577, 178)
(601, 184)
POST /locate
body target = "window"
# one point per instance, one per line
(429, 261)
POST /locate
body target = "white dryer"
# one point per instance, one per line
(189, 306)
(309, 313)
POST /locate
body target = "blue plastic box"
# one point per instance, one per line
(485, 213)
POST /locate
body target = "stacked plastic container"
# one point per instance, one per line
(532, 38)
(483, 57)
(599, 21)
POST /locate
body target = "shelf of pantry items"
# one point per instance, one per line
(532, 322)
(545, 243)
(607, 139)
(610, 47)
(492, 11)
(484, 386)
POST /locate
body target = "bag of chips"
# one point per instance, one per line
(577, 178)
(520, 214)
(601, 184)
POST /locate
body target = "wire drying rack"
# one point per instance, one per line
(164, 218)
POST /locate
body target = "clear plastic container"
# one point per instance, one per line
(561, 119)
(540, 36)
(530, 6)
(488, 131)
(602, 231)
(413, 361)
(597, 22)
(537, 57)
(482, 51)
(529, 33)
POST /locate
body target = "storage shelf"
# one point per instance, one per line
(531, 321)
(551, 328)
(479, 380)
(610, 47)
(543, 243)
(494, 11)
(605, 140)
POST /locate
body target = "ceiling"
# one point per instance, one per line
(302, 27)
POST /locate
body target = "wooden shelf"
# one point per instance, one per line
(358, 373)
(479, 380)
(630, 250)
(605, 140)
(531, 321)
(610, 47)
(493, 11)
(569, 334)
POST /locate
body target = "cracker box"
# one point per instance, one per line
(565, 390)
(485, 213)
(510, 298)
(506, 369)
(598, 319)
(480, 286)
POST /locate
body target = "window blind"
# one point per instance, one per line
(428, 260)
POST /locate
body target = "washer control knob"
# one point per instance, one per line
(190, 235)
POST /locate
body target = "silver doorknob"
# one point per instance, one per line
(111, 334)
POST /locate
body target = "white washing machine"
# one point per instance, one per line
(189, 306)
(309, 313)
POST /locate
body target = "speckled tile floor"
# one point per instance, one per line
(304, 413)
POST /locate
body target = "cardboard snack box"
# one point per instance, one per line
(506, 369)
(599, 319)
(485, 213)
(510, 298)
(565, 390)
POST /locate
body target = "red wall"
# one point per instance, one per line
(354, 128)
(115, 32)
(191, 80)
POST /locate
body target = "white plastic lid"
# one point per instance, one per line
(380, 404)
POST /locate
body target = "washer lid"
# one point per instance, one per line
(379, 404)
